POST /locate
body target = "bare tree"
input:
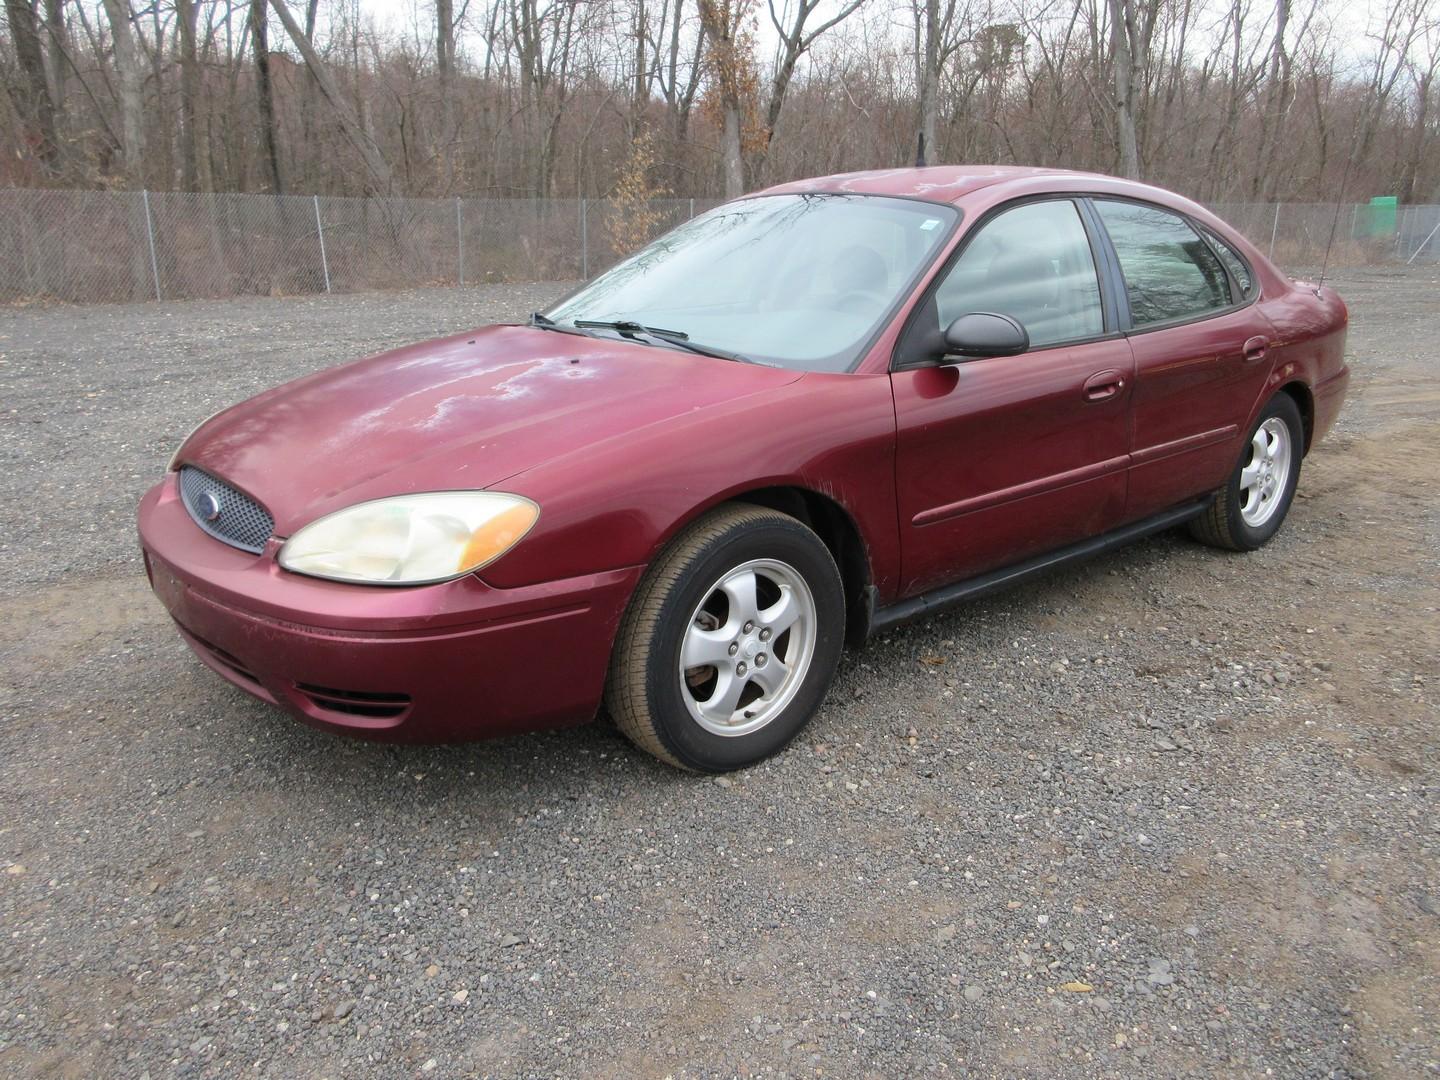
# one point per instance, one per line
(1422, 72)
(381, 180)
(36, 104)
(190, 156)
(130, 79)
(445, 69)
(1403, 23)
(679, 64)
(1131, 25)
(730, 56)
(797, 35)
(265, 97)
(1254, 99)
(942, 28)
(57, 67)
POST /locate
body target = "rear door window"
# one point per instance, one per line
(1171, 274)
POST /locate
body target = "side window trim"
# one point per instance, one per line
(906, 356)
(1112, 281)
(1127, 326)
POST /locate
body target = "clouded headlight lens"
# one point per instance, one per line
(411, 539)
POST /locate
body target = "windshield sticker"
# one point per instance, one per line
(929, 223)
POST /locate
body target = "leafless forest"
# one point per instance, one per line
(1226, 100)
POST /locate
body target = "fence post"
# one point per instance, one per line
(585, 239)
(459, 244)
(150, 234)
(1275, 228)
(692, 205)
(320, 232)
(1428, 237)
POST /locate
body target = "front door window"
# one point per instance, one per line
(1034, 264)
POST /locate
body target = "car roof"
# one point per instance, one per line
(937, 183)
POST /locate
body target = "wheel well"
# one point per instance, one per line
(834, 525)
(1305, 401)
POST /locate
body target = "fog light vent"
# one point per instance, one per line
(355, 702)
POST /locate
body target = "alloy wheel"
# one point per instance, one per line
(1265, 476)
(747, 647)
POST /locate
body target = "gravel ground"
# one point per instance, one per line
(1171, 813)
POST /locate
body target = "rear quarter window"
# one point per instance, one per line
(1238, 267)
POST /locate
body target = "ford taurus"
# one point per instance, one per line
(806, 415)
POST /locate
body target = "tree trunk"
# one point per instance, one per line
(732, 161)
(445, 65)
(131, 84)
(301, 171)
(265, 95)
(37, 107)
(642, 81)
(190, 152)
(1122, 38)
(58, 59)
(929, 56)
(1410, 180)
(1277, 102)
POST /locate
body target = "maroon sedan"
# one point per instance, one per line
(804, 416)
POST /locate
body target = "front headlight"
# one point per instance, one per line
(411, 539)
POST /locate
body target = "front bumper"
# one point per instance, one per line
(436, 663)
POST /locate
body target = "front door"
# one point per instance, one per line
(1004, 457)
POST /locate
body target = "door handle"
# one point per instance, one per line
(1255, 349)
(1104, 384)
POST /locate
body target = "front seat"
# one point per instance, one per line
(1023, 284)
(859, 269)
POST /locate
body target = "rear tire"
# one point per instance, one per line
(1252, 505)
(730, 642)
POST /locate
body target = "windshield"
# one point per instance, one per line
(798, 281)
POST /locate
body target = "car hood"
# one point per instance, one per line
(463, 412)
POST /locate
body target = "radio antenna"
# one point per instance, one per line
(1339, 202)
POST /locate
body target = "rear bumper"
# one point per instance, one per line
(437, 663)
(1328, 397)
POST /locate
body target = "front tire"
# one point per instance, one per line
(730, 642)
(1252, 505)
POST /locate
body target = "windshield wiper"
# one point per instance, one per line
(631, 329)
(544, 322)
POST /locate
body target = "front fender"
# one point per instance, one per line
(616, 503)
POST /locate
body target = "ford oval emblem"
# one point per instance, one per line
(210, 506)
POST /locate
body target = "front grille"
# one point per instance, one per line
(356, 702)
(225, 512)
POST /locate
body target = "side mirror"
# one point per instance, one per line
(985, 333)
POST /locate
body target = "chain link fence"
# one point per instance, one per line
(1297, 235)
(98, 246)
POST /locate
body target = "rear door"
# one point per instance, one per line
(1004, 457)
(1200, 350)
